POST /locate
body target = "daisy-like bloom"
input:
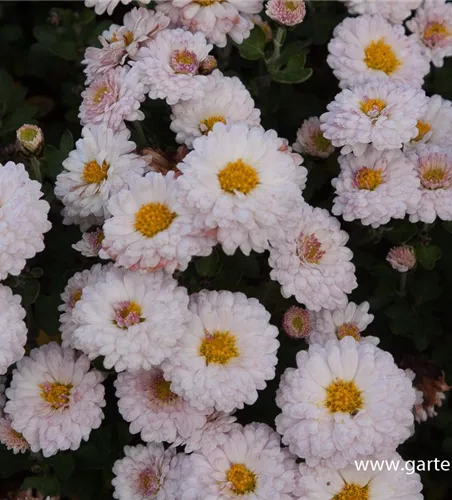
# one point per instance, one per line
(239, 182)
(132, 319)
(226, 100)
(226, 354)
(149, 229)
(375, 187)
(434, 168)
(312, 262)
(147, 472)
(91, 243)
(13, 330)
(170, 65)
(147, 402)
(432, 30)
(30, 139)
(216, 19)
(310, 139)
(250, 464)
(381, 113)
(395, 11)
(12, 439)
(101, 165)
(113, 97)
(402, 258)
(370, 46)
(72, 294)
(214, 433)
(322, 483)
(24, 218)
(297, 322)
(346, 321)
(286, 12)
(435, 126)
(346, 401)
(102, 6)
(54, 399)
(120, 42)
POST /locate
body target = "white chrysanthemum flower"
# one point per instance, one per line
(150, 230)
(435, 126)
(132, 319)
(250, 464)
(432, 30)
(13, 330)
(146, 401)
(346, 401)
(369, 46)
(170, 65)
(101, 165)
(147, 472)
(113, 97)
(375, 187)
(286, 12)
(102, 6)
(225, 100)
(54, 399)
(346, 321)
(239, 181)
(214, 433)
(310, 139)
(226, 354)
(91, 243)
(312, 262)
(72, 294)
(380, 112)
(433, 166)
(23, 218)
(395, 11)
(216, 19)
(121, 42)
(12, 439)
(322, 483)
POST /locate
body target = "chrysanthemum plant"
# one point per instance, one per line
(234, 282)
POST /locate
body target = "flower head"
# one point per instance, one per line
(286, 12)
(12, 439)
(394, 11)
(402, 258)
(297, 322)
(311, 141)
(55, 399)
(102, 6)
(30, 140)
(91, 243)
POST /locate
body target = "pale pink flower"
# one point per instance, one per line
(286, 12)
(13, 440)
(297, 322)
(112, 98)
(402, 258)
(310, 139)
(91, 243)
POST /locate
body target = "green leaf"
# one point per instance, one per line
(46, 486)
(253, 48)
(293, 72)
(401, 232)
(208, 267)
(28, 289)
(66, 143)
(63, 465)
(427, 255)
(55, 157)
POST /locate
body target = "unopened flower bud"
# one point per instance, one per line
(402, 258)
(208, 65)
(297, 322)
(286, 12)
(30, 140)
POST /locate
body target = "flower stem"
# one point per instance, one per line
(278, 41)
(36, 168)
(141, 137)
(402, 289)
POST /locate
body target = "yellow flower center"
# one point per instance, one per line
(93, 173)
(149, 483)
(238, 176)
(435, 175)
(298, 323)
(290, 5)
(380, 56)
(28, 134)
(210, 122)
(321, 143)
(128, 37)
(242, 480)
(100, 92)
(219, 347)
(153, 218)
(206, 3)
(348, 330)
(76, 296)
(163, 390)
(353, 492)
(435, 32)
(372, 107)
(368, 178)
(56, 394)
(423, 129)
(343, 397)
